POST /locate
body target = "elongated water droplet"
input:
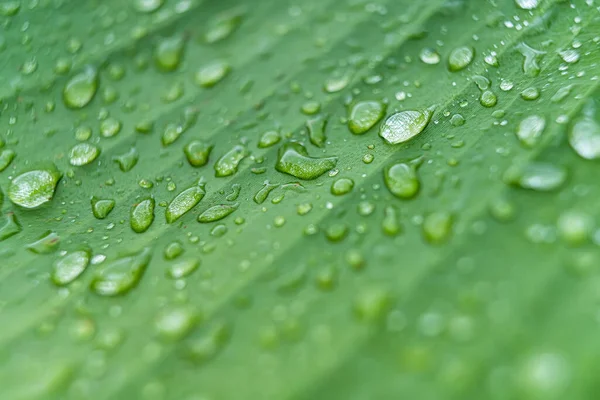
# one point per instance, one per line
(364, 115)
(538, 176)
(223, 26)
(530, 130)
(148, 6)
(6, 157)
(120, 276)
(228, 163)
(402, 180)
(390, 223)
(197, 152)
(482, 82)
(217, 213)
(460, 58)
(342, 186)
(127, 160)
(81, 89)
(102, 207)
(70, 267)
(83, 154)
(34, 188)
(173, 250)
(316, 130)
(269, 138)
(10, 227)
(235, 192)
(533, 57)
(263, 193)
(142, 215)
(211, 74)
(429, 56)
(47, 243)
(169, 52)
(184, 202)
(437, 227)
(176, 323)
(182, 268)
(293, 159)
(584, 135)
(404, 125)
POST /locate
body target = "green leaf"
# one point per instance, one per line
(398, 199)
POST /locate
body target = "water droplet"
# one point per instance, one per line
(173, 250)
(482, 82)
(169, 52)
(570, 56)
(148, 6)
(197, 153)
(311, 107)
(502, 209)
(228, 163)
(575, 227)
(437, 227)
(263, 193)
(336, 232)
(342, 186)
(527, 4)
(235, 192)
(337, 84)
(316, 130)
(34, 188)
(80, 89)
(457, 120)
(544, 376)
(209, 345)
(10, 8)
(102, 207)
(429, 56)
(184, 202)
(176, 323)
(530, 130)
(402, 180)
(182, 268)
(6, 157)
(127, 160)
(538, 176)
(110, 127)
(70, 267)
(217, 213)
(223, 26)
(561, 94)
(121, 275)
(488, 99)
(293, 159)
(211, 74)
(390, 224)
(83, 154)
(47, 243)
(10, 228)
(365, 208)
(460, 58)
(269, 139)
(584, 135)
(142, 215)
(530, 94)
(364, 115)
(531, 66)
(372, 304)
(404, 125)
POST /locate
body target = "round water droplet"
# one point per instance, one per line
(342, 186)
(530, 130)
(404, 125)
(530, 94)
(34, 188)
(460, 58)
(437, 227)
(176, 323)
(70, 267)
(110, 127)
(429, 56)
(402, 180)
(488, 99)
(293, 159)
(142, 215)
(364, 115)
(83, 154)
(173, 250)
(102, 207)
(81, 89)
(211, 74)
(169, 52)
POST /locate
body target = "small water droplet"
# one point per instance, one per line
(127, 160)
(228, 164)
(405, 125)
(217, 213)
(316, 130)
(102, 207)
(584, 135)
(293, 159)
(538, 176)
(182, 268)
(460, 58)
(342, 186)
(121, 275)
(176, 323)
(169, 52)
(83, 154)
(429, 56)
(364, 115)
(45, 244)
(402, 180)
(184, 202)
(70, 267)
(530, 130)
(142, 215)
(211, 74)
(263, 193)
(81, 89)
(437, 227)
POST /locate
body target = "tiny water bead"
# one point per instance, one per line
(293, 159)
(33, 188)
(460, 58)
(405, 125)
(184, 202)
(365, 115)
(121, 275)
(83, 154)
(211, 74)
(217, 213)
(68, 268)
(342, 186)
(530, 130)
(402, 180)
(142, 215)
(81, 88)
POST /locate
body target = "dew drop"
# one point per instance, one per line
(293, 159)
(217, 213)
(121, 275)
(70, 267)
(142, 215)
(81, 89)
(83, 154)
(34, 188)
(184, 202)
(364, 115)
(405, 125)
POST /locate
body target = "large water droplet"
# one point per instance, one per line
(142, 215)
(70, 267)
(460, 58)
(121, 275)
(364, 115)
(228, 163)
(184, 202)
(34, 188)
(402, 180)
(530, 130)
(404, 125)
(293, 159)
(218, 212)
(81, 88)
